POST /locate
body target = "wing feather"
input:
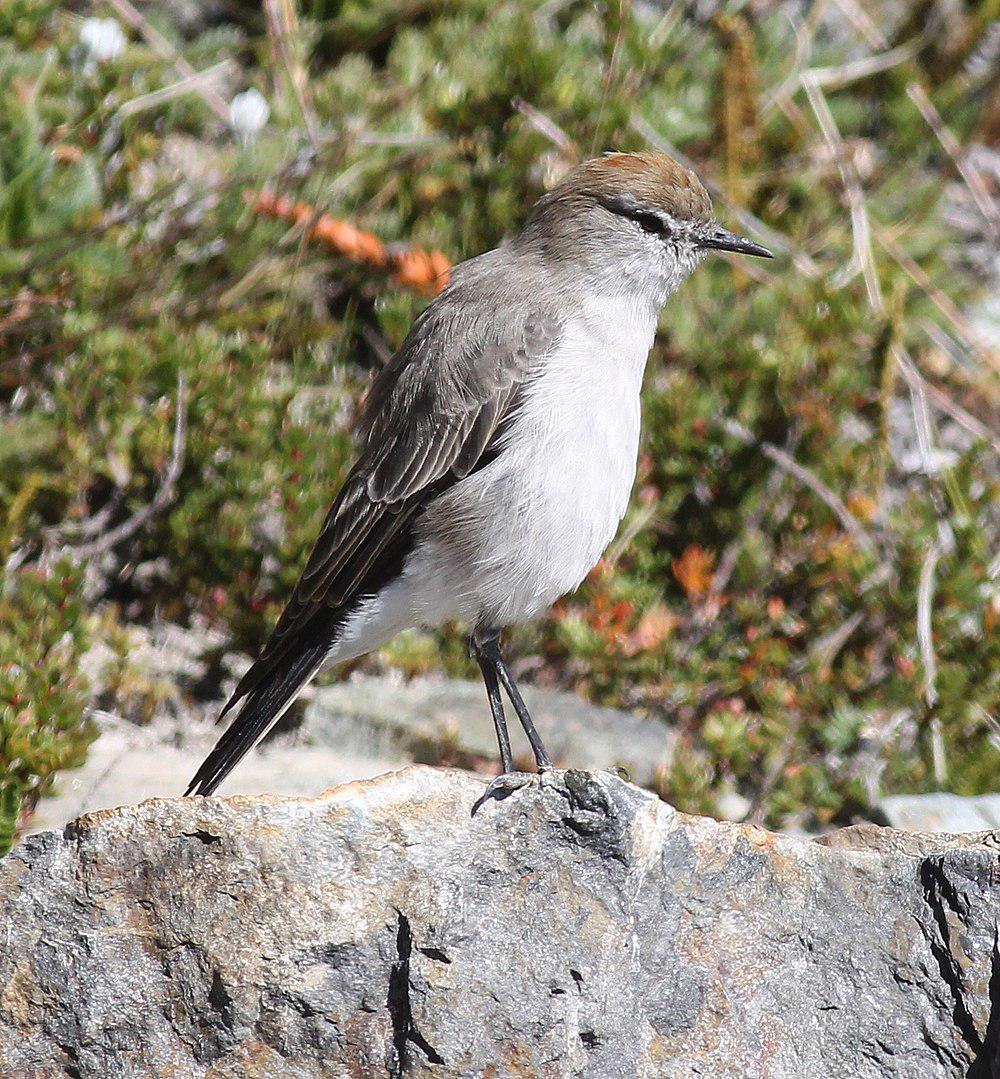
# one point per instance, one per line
(430, 418)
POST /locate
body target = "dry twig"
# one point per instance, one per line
(547, 127)
(188, 84)
(825, 649)
(834, 78)
(164, 494)
(284, 36)
(962, 417)
(862, 258)
(862, 22)
(925, 600)
(939, 756)
(961, 325)
(850, 523)
(974, 182)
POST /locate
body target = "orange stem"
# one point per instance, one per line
(415, 267)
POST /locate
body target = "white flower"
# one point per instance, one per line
(102, 40)
(985, 317)
(248, 113)
(930, 462)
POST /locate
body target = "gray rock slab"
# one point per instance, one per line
(378, 717)
(989, 806)
(355, 730)
(578, 927)
(124, 767)
(941, 812)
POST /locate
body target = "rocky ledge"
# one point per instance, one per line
(579, 926)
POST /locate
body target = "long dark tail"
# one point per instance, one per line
(264, 694)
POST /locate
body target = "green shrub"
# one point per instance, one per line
(43, 695)
(136, 283)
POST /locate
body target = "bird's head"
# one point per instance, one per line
(641, 217)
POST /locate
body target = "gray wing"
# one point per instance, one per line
(430, 417)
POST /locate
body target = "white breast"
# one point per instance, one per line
(513, 537)
(507, 541)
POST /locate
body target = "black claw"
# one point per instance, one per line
(503, 786)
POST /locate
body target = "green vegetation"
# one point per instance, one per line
(43, 725)
(178, 372)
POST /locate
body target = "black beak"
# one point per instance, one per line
(723, 240)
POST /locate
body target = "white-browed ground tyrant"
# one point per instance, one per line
(499, 444)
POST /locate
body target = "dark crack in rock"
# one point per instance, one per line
(579, 927)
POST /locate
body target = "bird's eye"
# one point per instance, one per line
(650, 223)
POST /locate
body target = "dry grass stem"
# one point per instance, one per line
(925, 600)
(862, 22)
(850, 523)
(862, 259)
(159, 44)
(833, 78)
(548, 128)
(960, 415)
(189, 84)
(961, 325)
(975, 183)
(288, 61)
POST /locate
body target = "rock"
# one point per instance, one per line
(125, 766)
(579, 926)
(355, 730)
(940, 812)
(376, 717)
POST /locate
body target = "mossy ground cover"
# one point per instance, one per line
(805, 586)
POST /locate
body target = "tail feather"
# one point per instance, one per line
(301, 641)
(262, 707)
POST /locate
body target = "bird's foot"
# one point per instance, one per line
(504, 786)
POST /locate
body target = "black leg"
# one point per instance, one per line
(542, 758)
(487, 646)
(488, 668)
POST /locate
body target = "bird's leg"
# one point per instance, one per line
(542, 758)
(496, 706)
(487, 647)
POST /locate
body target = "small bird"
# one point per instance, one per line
(498, 446)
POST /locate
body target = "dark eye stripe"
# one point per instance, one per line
(645, 219)
(649, 222)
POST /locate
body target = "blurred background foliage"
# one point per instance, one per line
(805, 587)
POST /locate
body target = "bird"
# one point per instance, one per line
(498, 447)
